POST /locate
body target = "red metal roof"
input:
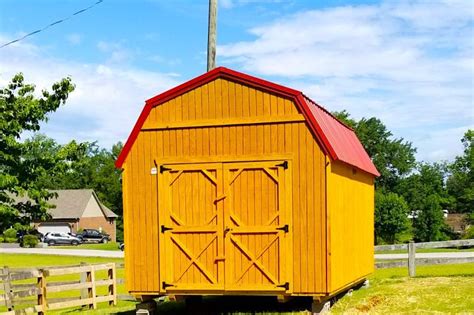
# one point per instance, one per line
(336, 139)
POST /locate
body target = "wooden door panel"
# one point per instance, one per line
(192, 229)
(257, 220)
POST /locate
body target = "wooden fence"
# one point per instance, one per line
(412, 261)
(24, 291)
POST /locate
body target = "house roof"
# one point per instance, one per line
(336, 139)
(71, 203)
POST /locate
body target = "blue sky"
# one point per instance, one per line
(410, 63)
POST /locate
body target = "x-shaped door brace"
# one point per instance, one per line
(194, 260)
(254, 260)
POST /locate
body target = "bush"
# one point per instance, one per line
(469, 233)
(10, 235)
(390, 216)
(2, 239)
(30, 241)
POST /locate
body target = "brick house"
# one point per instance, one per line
(77, 209)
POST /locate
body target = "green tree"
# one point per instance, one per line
(428, 179)
(390, 216)
(460, 184)
(92, 168)
(429, 223)
(22, 111)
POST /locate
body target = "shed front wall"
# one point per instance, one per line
(222, 113)
(350, 197)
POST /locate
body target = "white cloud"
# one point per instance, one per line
(74, 39)
(107, 100)
(409, 63)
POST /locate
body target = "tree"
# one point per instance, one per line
(92, 168)
(390, 216)
(428, 179)
(20, 111)
(429, 223)
(460, 184)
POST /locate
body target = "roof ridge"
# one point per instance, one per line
(328, 112)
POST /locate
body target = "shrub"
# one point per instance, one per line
(30, 241)
(2, 239)
(469, 233)
(390, 216)
(10, 235)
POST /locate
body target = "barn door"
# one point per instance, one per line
(257, 228)
(191, 226)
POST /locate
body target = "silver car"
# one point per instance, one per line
(56, 238)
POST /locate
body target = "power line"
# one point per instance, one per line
(52, 24)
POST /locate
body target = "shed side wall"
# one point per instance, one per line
(223, 100)
(350, 201)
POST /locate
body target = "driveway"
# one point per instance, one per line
(427, 255)
(63, 252)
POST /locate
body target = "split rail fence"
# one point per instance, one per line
(38, 290)
(412, 261)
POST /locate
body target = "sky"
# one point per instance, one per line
(408, 63)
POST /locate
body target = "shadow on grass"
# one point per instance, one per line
(231, 305)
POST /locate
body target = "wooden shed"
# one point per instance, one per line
(236, 185)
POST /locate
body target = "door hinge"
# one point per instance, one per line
(164, 229)
(284, 228)
(164, 169)
(165, 285)
(284, 165)
(285, 285)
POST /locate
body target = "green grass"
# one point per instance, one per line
(439, 288)
(108, 246)
(37, 261)
(435, 289)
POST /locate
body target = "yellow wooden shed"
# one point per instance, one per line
(235, 185)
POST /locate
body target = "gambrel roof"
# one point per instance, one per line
(336, 139)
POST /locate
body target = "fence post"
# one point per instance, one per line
(7, 288)
(91, 292)
(84, 293)
(41, 282)
(412, 259)
(113, 287)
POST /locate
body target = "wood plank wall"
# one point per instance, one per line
(350, 197)
(224, 100)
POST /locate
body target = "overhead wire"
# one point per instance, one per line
(52, 24)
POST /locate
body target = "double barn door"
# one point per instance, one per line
(225, 226)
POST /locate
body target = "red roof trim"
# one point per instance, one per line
(300, 100)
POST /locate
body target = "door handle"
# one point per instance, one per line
(227, 230)
(285, 228)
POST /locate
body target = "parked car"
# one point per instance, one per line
(122, 246)
(91, 235)
(61, 238)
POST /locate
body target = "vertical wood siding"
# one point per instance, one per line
(224, 100)
(350, 198)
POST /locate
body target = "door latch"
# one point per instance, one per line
(227, 230)
(165, 228)
(285, 285)
(285, 228)
(284, 165)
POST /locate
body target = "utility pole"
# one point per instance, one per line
(211, 35)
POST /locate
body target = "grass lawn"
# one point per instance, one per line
(25, 261)
(436, 289)
(446, 289)
(108, 246)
